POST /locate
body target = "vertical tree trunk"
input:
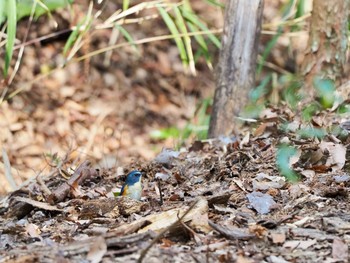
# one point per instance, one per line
(237, 63)
(327, 44)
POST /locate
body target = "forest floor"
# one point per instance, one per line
(73, 136)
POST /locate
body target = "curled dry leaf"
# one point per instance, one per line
(337, 153)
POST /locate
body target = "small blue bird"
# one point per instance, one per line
(132, 186)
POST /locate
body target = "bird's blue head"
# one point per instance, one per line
(133, 177)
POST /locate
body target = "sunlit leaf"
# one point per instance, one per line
(171, 132)
(261, 90)
(291, 94)
(311, 132)
(309, 111)
(283, 156)
(326, 91)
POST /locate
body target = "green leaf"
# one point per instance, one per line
(24, 7)
(252, 110)
(283, 155)
(291, 93)
(311, 132)
(326, 90)
(260, 90)
(309, 111)
(171, 132)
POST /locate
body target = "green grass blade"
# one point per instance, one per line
(216, 3)
(11, 33)
(175, 33)
(71, 39)
(126, 35)
(180, 22)
(203, 48)
(126, 4)
(2, 11)
(267, 50)
(192, 18)
(199, 39)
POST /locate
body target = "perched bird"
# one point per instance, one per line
(132, 186)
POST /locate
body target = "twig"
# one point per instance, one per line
(191, 231)
(160, 192)
(160, 235)
(233, 234)
(42, 184)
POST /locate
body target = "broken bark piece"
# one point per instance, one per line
(82, 173)
(19, 210)
(221, 198)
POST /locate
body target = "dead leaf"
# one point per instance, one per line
(242, 259)
(260, 130)
(262, 203)
(278, 238)
(258, 230)
(340, 250)
(33, 230)
(337, 154)
(301, 244)
(245, 140)
(197, 219)
(97, 250)
(167, 242)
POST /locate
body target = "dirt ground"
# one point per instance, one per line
(72, 136)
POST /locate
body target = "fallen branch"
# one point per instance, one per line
(82, 173)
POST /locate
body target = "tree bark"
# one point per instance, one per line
(327, 44)
(237, 63)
